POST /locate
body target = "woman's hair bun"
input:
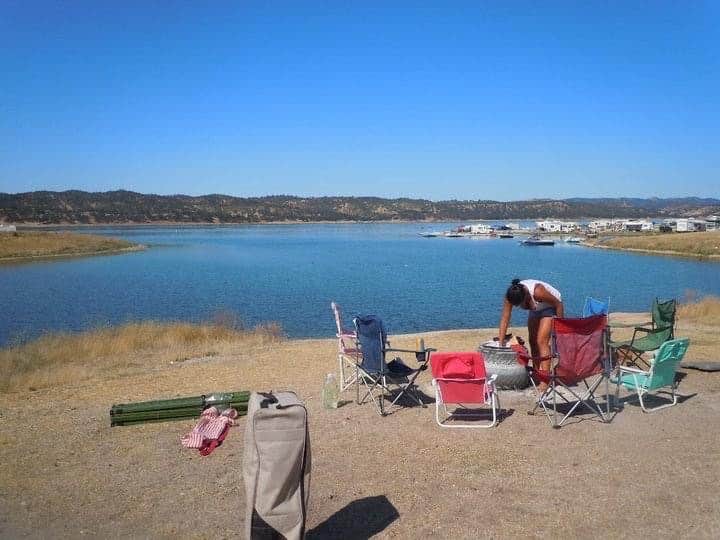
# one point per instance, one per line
(515, 281)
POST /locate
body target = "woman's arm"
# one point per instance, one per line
(543, 295)
(504, 321)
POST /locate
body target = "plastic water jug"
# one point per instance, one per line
(331, 392)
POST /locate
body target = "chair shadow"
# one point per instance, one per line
(653, 400)
(406, 401)
(580, 414)
(362, 518)
(475, 414)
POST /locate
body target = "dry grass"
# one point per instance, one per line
(704, 244)
(57, 359)
(705, 311)
(49, 244)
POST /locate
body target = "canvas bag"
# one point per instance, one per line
(276, 466)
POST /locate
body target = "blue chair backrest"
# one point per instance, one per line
(372, 336)
(593, 306)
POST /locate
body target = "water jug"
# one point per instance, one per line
(331, 392)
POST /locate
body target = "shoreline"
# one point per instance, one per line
(115, 251)
(666, 253)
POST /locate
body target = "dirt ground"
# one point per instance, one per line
(66, 474)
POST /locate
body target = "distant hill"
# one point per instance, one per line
(80, 207)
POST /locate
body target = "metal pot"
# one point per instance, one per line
(502, 361)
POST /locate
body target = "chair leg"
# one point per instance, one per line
(665, 406)
(586, 399)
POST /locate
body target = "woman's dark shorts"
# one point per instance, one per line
(545, 312)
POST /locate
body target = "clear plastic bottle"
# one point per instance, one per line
(331, 392)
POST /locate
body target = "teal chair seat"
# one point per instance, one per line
(661, 373)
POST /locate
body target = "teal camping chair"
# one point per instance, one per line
(660, 375)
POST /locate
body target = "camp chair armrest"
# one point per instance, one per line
(628, 325)
(627, 369)
(643, 329)
(414, 351)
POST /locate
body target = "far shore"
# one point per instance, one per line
(666, 252)
(130, 249)
(24, 246)
(696, 245)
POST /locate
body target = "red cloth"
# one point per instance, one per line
(210, 430)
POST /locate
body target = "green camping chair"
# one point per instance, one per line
(661, 373)
(648, 337)
(663, 315)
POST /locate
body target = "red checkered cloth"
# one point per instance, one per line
(210, 430)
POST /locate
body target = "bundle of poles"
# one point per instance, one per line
(161, 410)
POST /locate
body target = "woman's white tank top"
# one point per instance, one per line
(530, 286)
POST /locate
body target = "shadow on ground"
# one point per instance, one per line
(362, 518)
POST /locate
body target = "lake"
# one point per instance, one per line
(290, 273)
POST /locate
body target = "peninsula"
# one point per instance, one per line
(27, 245)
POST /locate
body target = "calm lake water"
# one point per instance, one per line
(290, 273)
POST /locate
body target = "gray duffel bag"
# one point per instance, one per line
(276, 466)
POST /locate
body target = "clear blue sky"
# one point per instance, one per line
(503, 100)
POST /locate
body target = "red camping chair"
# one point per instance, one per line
(579, 353)
(459, 378)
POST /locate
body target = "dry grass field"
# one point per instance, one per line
(67, 474)
(700, 244)
(58, 359)
(36, 244)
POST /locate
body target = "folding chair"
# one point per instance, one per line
(648, 336)
(663, 315)
(380, 377)
(593, 306)
(348, 353)
(459, 378)
(579, 353)
(661, 373)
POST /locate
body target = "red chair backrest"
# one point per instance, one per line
(579, 346)
(460, 376)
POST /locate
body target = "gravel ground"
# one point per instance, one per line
(67, 474)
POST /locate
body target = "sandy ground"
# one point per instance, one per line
(66, 474)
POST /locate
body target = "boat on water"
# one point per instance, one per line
(537, 241)
(430, 234)
(506, 235)
(573, 240)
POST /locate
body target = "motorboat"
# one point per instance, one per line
(430, 234)
(573, 240)
(536, 240)
(506, 235)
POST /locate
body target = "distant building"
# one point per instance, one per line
(690, 225)
(638, 225)
(480, 228)
(599, 225)
(712, 223)
(554, 225)
(7, 228)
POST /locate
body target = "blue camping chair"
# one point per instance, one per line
(381, 378)
(593, 306)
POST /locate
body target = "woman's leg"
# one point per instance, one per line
(532, 336)
(535, 349)
(543, 341)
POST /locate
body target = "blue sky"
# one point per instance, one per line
(502, 100)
